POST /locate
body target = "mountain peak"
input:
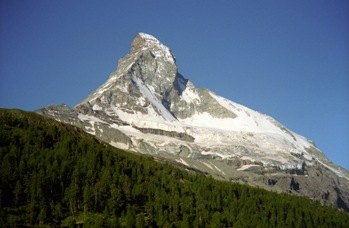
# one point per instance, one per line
(148, 37)
(147, 106)
(144, 41)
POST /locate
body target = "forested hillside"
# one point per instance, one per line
(56, 174)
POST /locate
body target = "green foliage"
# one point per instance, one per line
(55, 174)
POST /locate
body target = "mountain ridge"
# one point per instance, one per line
(153, 109)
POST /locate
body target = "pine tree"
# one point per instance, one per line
(140, 223)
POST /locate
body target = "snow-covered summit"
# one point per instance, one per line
(145, 41)
(148, 37)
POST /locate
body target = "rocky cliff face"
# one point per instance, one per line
(148, 107)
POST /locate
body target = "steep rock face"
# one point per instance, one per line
(148, 107)
(147, 81)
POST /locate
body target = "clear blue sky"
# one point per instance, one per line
(288, 59)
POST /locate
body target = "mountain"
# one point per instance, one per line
(147, 106)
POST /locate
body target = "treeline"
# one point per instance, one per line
(55, 174)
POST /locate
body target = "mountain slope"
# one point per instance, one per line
(148, 107)
(54, 174)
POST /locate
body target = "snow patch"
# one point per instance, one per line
(190, 96)
(183, 162)
(223, 156)
(208, 165)
(154, 100)
(218, 169)
(119, 145)
(244, 167)
(149, 37)
(337, 172)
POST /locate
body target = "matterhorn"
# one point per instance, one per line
(147, 106)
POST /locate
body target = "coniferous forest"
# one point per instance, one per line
(54, 174)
